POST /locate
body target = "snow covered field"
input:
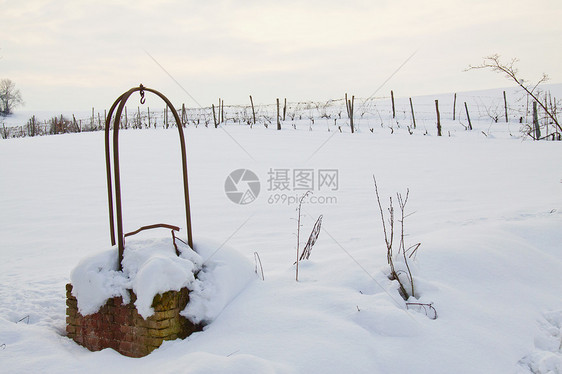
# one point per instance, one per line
(487, 210)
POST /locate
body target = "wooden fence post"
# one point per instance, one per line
(468, 116)
(454, 106)
(505, 106)
(546, 114)
(438, 118)
(278, 116)
(392, 99)
(253, 111)
(412, 109)
(214, 116)
(349, 106)
(284, 109)
(536, 122)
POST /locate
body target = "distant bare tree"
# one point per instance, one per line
(10, 96)
(510, 70)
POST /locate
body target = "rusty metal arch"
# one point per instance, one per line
(115, 213)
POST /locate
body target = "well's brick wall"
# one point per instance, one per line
(119, 326)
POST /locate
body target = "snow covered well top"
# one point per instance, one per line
(151, 267)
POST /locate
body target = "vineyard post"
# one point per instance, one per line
(505, 106)
(438, 118)
(278, 116)
(546, 114)
(412, 109)
(468, 116)
(253, 110)
(536, 121)
(214, 116)
(349, 105)
(454, 106)
(392, 99)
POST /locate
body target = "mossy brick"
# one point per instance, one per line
(165, 301)
(167, 314)
(183, 298)
(137, 318)
(168, 331)
(150, 341)
(139, 331)
(132, 297)
(72, 303)
(162, 324)
(140, 351)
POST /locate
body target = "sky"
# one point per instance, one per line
(75, 55)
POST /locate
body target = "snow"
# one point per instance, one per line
(547, 355)
(487, 210)
(151, 267)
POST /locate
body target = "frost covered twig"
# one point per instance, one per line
(311, 239)
(299, 231)
(426, 307)
(388, 226)
(257, 260)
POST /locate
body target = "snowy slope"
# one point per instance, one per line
(488, 212)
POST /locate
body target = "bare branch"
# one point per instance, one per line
(494, 63)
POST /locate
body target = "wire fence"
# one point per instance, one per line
(369, 113)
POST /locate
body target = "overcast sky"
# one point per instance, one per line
(73, 55)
